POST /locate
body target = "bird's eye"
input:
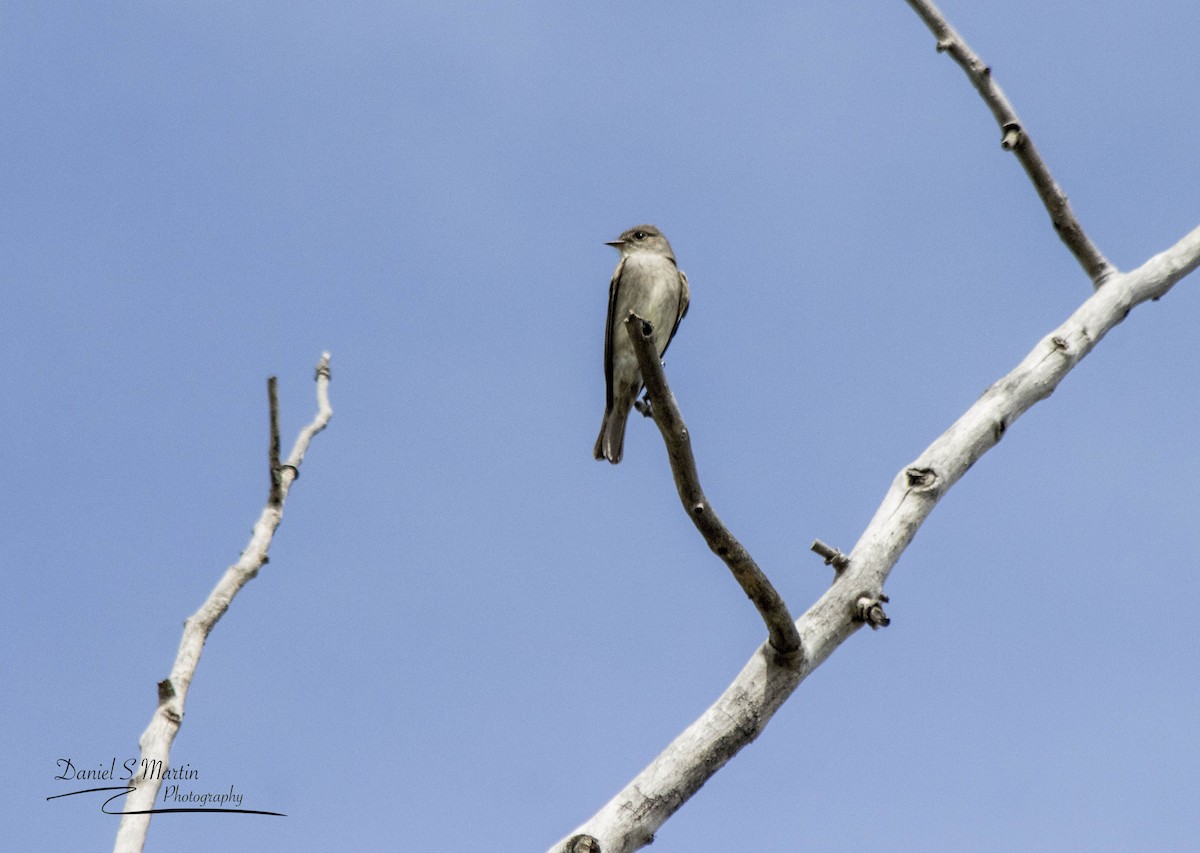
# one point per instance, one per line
(639, 235)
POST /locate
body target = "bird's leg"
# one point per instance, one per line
(644, 406)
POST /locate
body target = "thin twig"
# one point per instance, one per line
(276, 495)
(781, 630)
(172, 692)
(1015, 137)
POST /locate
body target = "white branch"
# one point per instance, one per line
(631, 818)
(172, 693)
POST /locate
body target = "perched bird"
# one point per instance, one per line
(647, 282)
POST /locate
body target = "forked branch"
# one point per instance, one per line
(631, 818)
(172, 692)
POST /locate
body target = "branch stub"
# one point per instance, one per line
(869, 609)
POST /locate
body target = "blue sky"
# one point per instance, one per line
(468, 627)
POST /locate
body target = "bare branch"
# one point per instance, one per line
(781, 631)
(1015, 137)
(630, 819)
(172, 692)
(276, 495)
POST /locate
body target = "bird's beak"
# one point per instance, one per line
(616, 244)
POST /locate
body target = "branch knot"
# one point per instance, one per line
(869, 609)
(582, 844)
(921, 479)
(1012, 135)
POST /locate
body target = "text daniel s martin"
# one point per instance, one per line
(149, 769)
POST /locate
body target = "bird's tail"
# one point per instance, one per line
(611, 441)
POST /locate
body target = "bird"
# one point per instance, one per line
(648, 282)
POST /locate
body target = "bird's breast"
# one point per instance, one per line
(650, 287)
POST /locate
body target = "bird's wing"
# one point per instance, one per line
(685, 297)
(609, 331)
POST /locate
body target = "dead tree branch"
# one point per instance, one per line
(781, 631)
(172, 692)
(629, 821)
(631, 818)
(1015, 137)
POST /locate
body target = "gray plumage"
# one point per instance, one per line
(647, 282)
